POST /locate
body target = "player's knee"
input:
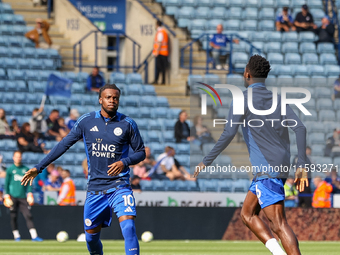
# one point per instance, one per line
(92, 238)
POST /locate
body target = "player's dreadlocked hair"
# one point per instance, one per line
(108, 86)
(258, 66)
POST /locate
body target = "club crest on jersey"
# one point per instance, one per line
(88, 222)
(118, 131)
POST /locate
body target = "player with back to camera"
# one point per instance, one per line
(107, 136)
(268, 145)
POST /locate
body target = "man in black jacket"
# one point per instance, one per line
(325, 31)
(182, 130)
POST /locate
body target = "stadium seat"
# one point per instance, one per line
(315, 70)
(211, 79)
(306, 37)
(199, 24)
(268, 3)
(220, 3)
(292, 58)
(172, 3)
(184, 23)
(250, 13)
(189, 3)
(232, 24)
(283, 70)
(310, 59)
(290, 37)
(321, 92)
(147, 101)
(134, 78)
(307, 47)
(217, 13)
(239, 59)
(240, 185)
(316, 138)
(204, 12)
(324, 104)
(186, 12)
(317, 13)
(332, 70)
(161, 112)
(312, 117)
(212, 24)
(325, 48)
(275, 58)
(183, 148)
(171, 10)
(328, 59)
(173, 113)
(266, 25)
(272, 47)
(154, 124)
(249, 25)
(326, 115)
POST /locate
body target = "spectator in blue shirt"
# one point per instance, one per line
(336, 86)
(52, 183)
(95, 81)
(284, 21)
(72, 118)
(218, 42)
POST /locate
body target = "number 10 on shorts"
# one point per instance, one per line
(128, 200)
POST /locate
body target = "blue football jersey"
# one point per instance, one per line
(106, 141)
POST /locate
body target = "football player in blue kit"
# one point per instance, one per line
(107, 135)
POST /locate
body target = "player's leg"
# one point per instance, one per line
(279, 225)
(123, 203)
(14, 219)
(26, 212)
(250, 217)
(97, 214)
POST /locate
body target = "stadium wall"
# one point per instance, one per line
(75, 26)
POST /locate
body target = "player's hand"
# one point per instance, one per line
(198, 169)
(30, 199)
(29, 176)
(8, 201)
(115, 168)
(301, 179)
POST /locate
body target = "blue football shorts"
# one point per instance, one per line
(268, 191)
(98, 208)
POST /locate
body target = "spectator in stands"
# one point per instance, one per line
(72, 118)
(149, 160)
(182, 130)
(284, 21)
(39, 35)
(67, 194)
(336, 86)
(165, 166)
(305, 197)
(135, 184)
(41, 178)
(184, 172)
(333, 145)
(2, 168)
(95, 81)
(322, 193)
(291, 193)
(63, 131)
(52, 183)
(140, 170)
(160, 51)
(26, 140)
(218, 42)
(326, 31)
(334, 180)
(304, 20)
(60, 171)
(53, 126)
(15, 127)
(85, 167)
(37, 122)
(200, 132)
(5, 132)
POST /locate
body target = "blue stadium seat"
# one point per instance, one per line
(232, 24)
(22, 42)
(82, 76)
(15, 74)
(301, 80)
(161, 112)
(240, 59)
(316, 138)
(249, 25)
(18, 30)
(236, 3)
(4, 52)
(272, 47)
(154, 124)
(297, 3)
(117, 77)
(186, 12)
(310, 59)
(259, 45)
(324, 104)
(199, 24)
(268, 3)
(153, 136)
(315, 70)
(275, 58)
(162, 102)
(204, 12)
(134, 89)
(32, 75)
(292, 58)
(156, 148)
(183, 148)
(328, 59)
(184, 23)
(252, 3)
(307, 47)
(34, 64)
(290, 37)
(35, 86)
(300, 70)
(145, 112)
(220, 3)
(326, 115)
(48, 64)
(240, 185)
(257, 36)
(134, 78)
(283, 70)
(266, 25)
(147, 185)
(216, 13)
(5, 8)
(168, 137)
(6, 29)
(7, 19)
(189, 3)
(173, 114)
(171, 10)
(224, 185)
(322, 92)
(290, 47)
(172, 3)
(310, 105)
(317, 13)
(29, 52)
(8, 63)
(212, 24)
(325, 48)
(211, 79)
(266, 14)
(332, 70)
(250, 13)
(306, 37)
(234, 13)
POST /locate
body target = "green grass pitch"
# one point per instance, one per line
(161, 248)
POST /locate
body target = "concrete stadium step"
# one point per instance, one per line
(170, 90)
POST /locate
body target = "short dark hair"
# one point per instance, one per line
(96, 68)
(55, 110)
(308, 148)
(159, 23)
(68, 171)
(258, 66)
(285, 8)
(108, 86)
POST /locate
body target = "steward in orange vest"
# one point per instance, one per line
(67, 194)
(160, 51)
(322, 194)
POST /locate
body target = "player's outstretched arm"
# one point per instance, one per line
(29, 176)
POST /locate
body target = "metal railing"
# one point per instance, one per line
(78, 48)
(155, 16)
(231, 37)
